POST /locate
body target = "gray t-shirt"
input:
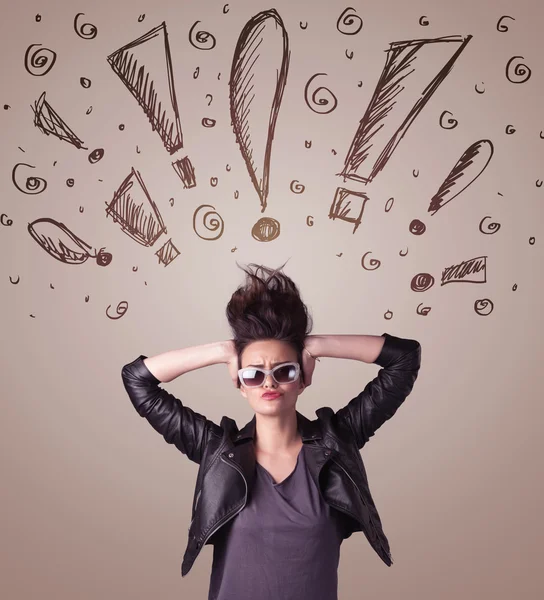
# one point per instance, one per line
(284, 544)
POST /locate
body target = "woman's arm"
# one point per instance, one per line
(365, 348)
(169, 365)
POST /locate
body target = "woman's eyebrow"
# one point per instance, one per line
(273, 364)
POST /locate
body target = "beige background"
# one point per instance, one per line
(94, 503)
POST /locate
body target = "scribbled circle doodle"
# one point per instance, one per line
(171, 201)
(520, 70)
(121, 309)
(236, 195)
(349, 23)
(32, 185)
(532, 240)
(414, 173)
(214, 224)
(423, 21)
(349, 54)
(423, 310)
(40, 61)
(491, 227)
(539, 183)
(372, 264)
(450, 123)
(388, 315)
(9, 221)
(320, 105)
(389, 204)
(307, 143)
(403, 253)
(514, 287)
(141, 18)
(85, 82)
(96, 155)
(360, 84)
(228, 168)
(203, 40)
(509, 130)
(417, 227)
(38, 18)
(500, 26)
(70, 182)
(483, 307)
(422, 282)
(213, 181)
(7, 106)
(89, 110)
(121, 127)
(305, 26)
(296, 187)
(266, 229)
(207, 122)
(86, 31)
(310, 220)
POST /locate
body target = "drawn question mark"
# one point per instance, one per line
(211, 98)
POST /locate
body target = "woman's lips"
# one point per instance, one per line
(270, 396)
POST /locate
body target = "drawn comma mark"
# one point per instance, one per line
(514, 287)
(374, 262)
(228, 168)
(7, 223)
(171, 201)
(234, 249)
(500, 26)
(33, 185)
(451, 123)
(38, 18)
(7, 106)
(424, 21)
(401, 253)
(211, 98)
(349, 54)
(121, 309)
(87, 31)
(225, 9)
(334, 151)
(360, 84)
(236, 195)
(491, 227)
(141, 18)
(85, 82)
(89, 110)
(213, 181)
(40, 62)
(218, 76)
(423, 310)
(138, 151)
(310, 220)
(509, 130)
(539, 183)
(541, 134)
(196, 73)
(15, 282)
(308, 143)
(305, 26)
(296, 187)
(81, 209)
(203, 40)
(520, 70)
(414, 173)
(349, 23)
(135, 269)
(479, 91)
(532, 240)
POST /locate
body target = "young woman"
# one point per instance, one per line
(277, 497)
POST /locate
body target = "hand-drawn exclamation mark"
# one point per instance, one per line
(396, 102)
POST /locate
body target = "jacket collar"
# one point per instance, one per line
(309, 430)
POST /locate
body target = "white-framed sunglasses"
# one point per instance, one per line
(255, 376)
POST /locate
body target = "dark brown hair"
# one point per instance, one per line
(268, 307)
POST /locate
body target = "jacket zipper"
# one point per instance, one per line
(364, 503)
(224, 520)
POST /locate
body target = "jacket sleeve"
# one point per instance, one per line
(179, 425)
(400, 360)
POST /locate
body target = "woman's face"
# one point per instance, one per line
(267, 354)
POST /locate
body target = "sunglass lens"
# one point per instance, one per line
(285, 374)
(253, 377)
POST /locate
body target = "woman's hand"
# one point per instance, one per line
(308, 363)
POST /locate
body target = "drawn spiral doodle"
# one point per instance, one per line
(316, 104)
(96, 155)
(451, 123)
(349, 23)
(491, 227)
(423, 21)
(422, 282)
(85, 82)
(32, 185)
(510, 130)
(520, 70)
(86, 31)
(9, 221)
(214, 224)
(296, 187)
(207, 122)
(417, 227)
(500, 26)
(373, 262)
(203, 40)
(121, 309)
(41, 61)
(483, 307)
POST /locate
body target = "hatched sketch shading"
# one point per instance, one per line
(134, 209)
(48, 121)
(64, 245)
(167, 253)
(398, 99)
(257, 82)
(185, 171)
(145, 68)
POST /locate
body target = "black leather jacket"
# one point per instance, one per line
(227, 458)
